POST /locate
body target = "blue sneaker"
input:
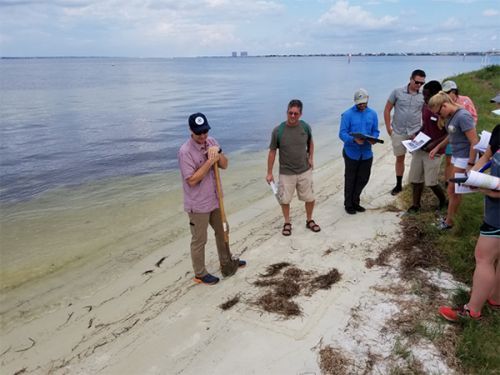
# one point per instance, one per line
(207, 279)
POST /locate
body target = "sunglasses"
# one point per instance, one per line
(293, 113)
(419, 82)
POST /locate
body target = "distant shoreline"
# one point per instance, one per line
(359, 54)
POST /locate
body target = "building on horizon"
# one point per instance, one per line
(234, 54)
(243, 53)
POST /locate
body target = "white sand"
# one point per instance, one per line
(163, 323)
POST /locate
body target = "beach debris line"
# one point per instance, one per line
(282, 286)
(415, 249)
(230, 302)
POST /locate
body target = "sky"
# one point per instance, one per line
(186, 28)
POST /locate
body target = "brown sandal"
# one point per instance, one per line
(313, 226)
(287, 229)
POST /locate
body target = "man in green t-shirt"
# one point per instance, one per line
(294, 140)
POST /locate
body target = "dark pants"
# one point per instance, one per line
(357, 174)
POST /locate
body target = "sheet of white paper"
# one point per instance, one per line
(417, 142)
(274, 188)
(496, 112)
(482, 145)
(483, 180)
(461, 188)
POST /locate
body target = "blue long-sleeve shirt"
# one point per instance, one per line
(355, 121)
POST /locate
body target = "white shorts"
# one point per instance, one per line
(459, 162)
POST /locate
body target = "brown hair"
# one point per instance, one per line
(295, 103)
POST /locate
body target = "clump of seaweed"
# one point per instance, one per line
(273, 269)
(292, 283)
(272, 303)
(332, 361)
(293, 273)
(230, 302)
(287, 289)
(324, 281)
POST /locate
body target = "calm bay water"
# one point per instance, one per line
(65, 122)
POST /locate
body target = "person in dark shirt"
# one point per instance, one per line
(423, 169)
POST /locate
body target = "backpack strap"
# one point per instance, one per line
(304, 125)
(281, 128)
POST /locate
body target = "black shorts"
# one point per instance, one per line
(488, 230)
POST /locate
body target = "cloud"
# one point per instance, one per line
(451, 24)
(491, 13)
(341, 14)
(56, 3)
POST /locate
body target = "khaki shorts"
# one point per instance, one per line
(397, 146)
(424, 169)
(302, 182)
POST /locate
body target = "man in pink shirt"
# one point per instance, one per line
(451, 88)
(196, 158)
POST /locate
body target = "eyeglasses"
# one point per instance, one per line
(290, 113)
(419, 82)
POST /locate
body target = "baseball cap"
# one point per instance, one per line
(361, 96)
(198, 123)
(496, 99)
(449, 85)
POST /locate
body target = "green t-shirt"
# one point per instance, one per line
(293, 142)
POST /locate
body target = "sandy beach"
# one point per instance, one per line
(148, 317)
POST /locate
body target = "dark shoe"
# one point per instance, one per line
(350, 210)
(413, 209)
(207, 279)
(359, 208)
(397, 189)
(287, 229)
(313, 226)
(231, 268)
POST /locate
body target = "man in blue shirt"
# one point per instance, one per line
(358, 156)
